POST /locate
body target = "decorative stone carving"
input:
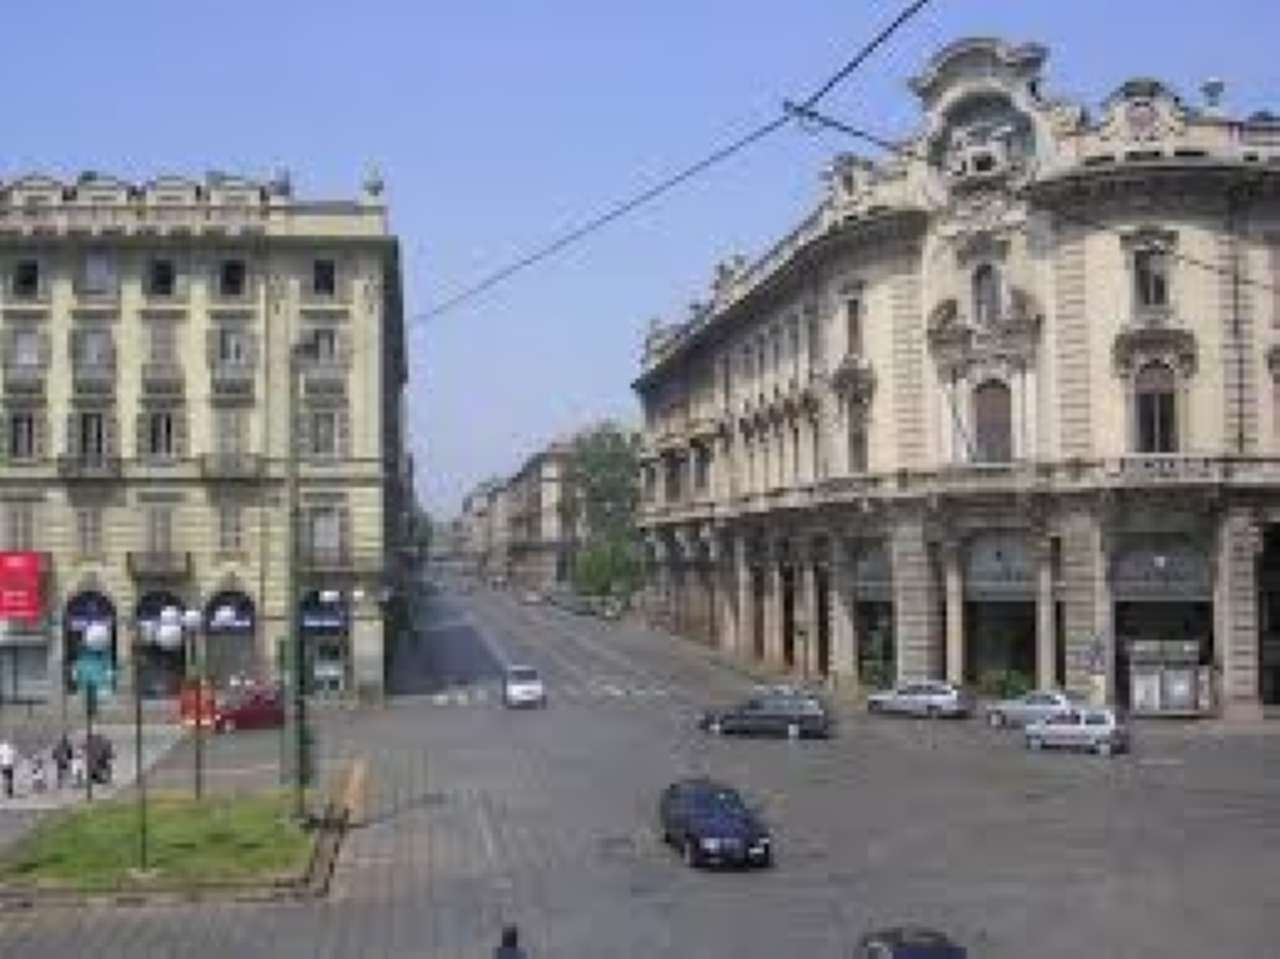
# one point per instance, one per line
(1141, 111)
(1137, 346)
(1009, 342)
(854, 379)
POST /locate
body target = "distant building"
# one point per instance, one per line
(146, 426)
(1006, 400)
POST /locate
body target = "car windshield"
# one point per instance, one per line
(718, 801)
(523, 674)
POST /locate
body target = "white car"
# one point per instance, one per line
(926, 698)
(522, 686)
(1033, 707)
(1096, 730)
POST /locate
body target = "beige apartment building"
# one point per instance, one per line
(167, 348)
(1006, 400)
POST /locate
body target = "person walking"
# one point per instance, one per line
(62, 758)
(8, 757)
(509, 948)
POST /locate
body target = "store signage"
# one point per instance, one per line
(20, 597)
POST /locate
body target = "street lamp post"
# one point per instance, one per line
(192, 622)
(299, 353)
(97, 637)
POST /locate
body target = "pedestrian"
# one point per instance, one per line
(39, 776)
(8, 756)
(62, 758)
(510, 945)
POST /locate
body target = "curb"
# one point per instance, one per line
(312, 883)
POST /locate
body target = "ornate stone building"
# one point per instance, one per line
(167, 348)
(1005, 401)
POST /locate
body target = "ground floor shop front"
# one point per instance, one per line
(1168, 611)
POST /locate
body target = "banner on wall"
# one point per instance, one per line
(20, 597)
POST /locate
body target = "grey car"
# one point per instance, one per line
(924, 698)
(1094, 730)
(1032, 707)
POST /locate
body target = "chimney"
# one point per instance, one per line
(1212, 89)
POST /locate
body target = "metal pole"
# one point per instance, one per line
(291, 597)
(199, 736)
(90, 691)
(139, 769)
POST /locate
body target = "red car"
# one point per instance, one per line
(249, 709)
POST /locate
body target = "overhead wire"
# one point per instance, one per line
(621, 209)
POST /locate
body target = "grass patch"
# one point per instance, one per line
(221, 839)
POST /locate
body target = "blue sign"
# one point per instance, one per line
(230, 612)
(93, 669)
(320, 618)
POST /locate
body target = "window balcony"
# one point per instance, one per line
(159, 564)
(93, 378)
(339, 560)
(232, 379)
(24, 378)
(232, 466)
(1166, 468)
(89, 467)
(163, 378)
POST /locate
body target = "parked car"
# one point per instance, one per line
(790, 714)
(1032, 707)
(249, 708)
(908, 942)
(531, 597)
(711, 825)
(928, 698)
(522, 686)
(1096, 730)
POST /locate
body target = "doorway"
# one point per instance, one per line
(757, 613)
(789, 616)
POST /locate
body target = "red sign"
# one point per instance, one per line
(20, 586)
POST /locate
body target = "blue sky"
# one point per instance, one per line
(498, 125)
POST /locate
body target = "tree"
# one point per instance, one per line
(604, 475)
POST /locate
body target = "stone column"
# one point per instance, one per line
(844, 660)
(954, 578)
(915, 602)
(1046, 641)
(773, 610)
(726, 593)
(745, 625)
(1080, 559)
(1240, 541)
(1104, 609)
(808, 580)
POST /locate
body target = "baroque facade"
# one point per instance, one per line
(1007, 401)
(168, 348)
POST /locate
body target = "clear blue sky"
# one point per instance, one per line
(498, 125)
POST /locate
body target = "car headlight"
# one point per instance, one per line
(711, 845)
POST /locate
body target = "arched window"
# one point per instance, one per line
(1156, 409)
(993, 423)
(986, 295)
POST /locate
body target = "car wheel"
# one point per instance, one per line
(793, 730)
(873, 706)
(1034, 743)
(1103, 747)
(690, 852)
(715, 728)
(932, 712)
(996, 720)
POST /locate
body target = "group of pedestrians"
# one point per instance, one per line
(72, 765)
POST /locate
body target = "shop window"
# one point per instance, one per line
(986, 295)
(993, 423)
(1156, 409)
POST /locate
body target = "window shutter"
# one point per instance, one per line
(250, 348)
(75, 346)
(211, 346)
(111, 433)
(344, 347)
(344, 531)
(180, 432)
(302, 435)
(46, 348)
(73, 436)
(4, 436)
(39, 430)
(343, 427)
(111, 351)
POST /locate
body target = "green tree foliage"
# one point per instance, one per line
(605, 470)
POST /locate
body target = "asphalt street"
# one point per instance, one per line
(480, 816)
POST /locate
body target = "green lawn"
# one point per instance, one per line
(221, 839)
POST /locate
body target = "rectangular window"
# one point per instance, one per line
(92, 434)
(324, 433)
(233, 346)
(94, 347)
(89, 531)
(22, 435)
(98, 274)
(1156, 428)
(20, 526)
(325, 341)
(701, 469)
(795, 454)
(231, 278)
(230, 528)
(26, 279)
(163, 341)
(1151, 274)
(160, 434)
(24, 348)
(857, 445)
(853, 325)
(162, 277)
(324, 278)
(160, 529)
(325, 531)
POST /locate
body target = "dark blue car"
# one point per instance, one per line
(711, 825)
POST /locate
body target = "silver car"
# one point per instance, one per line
(1095, 730)
(1032, 707)
(925, 698)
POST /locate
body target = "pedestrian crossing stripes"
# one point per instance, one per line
(592, 692)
